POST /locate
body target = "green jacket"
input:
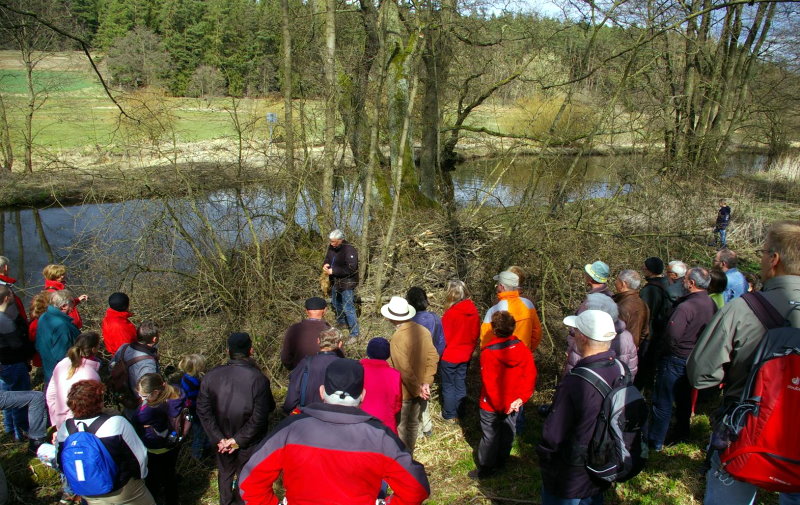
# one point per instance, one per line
(724, 351)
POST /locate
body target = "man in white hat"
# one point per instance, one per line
(528, 326)
(412, 353)
(572, 418)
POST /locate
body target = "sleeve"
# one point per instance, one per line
(536, 329)
(263, 404)
(676, 328)
(287, 350)
(706, 364)
(401, 361)
(406, 477)
(431, 362)
(134, 443)
(292, 399)
(350, 265)
(261, 471)
(50, 398)
(438, 334)
(206, 412)
(557, 427)
(528, 382)
(486, 328)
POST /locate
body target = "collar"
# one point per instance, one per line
(53, 285)
(7, 280)
(505, 295)
(338, 414)
(606, 355)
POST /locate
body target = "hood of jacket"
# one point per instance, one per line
(465, 308)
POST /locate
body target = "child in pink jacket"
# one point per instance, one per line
(80, 364)
(384, 396)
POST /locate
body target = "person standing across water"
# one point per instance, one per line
(341, 264)
(721, 225)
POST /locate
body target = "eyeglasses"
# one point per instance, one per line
(761, 252)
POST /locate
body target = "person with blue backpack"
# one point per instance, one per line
(102, 457)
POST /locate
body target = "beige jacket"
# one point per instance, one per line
(414, 356)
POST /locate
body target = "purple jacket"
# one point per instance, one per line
(622, 345)
(434, 324)
(691, 315)
(152, 423)
(568, 429)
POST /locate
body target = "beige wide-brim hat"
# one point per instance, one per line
(398, 309)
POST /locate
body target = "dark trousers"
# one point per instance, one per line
(672, 386)
(230, 466)
(454, 388)
(498, 435)
(161, 476)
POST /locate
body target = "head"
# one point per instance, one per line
(344, 383)
(417, 298)
(62, 300)
(696, 279)
(653, 266)
(5, 296)
(725, 259)
(676, 269)
(719, 281)
(85, 399)
(722, 203)
(456, 292)
(521, 273)
(628, 280)
(398, 310)
(119, 302)
(336, 237)
(781, 252)
(503, 324)
(154, 390)
(330, 339)
(506, 281)
(193, 364)
(86, 346)
(39, 304)
(148, 333)
(240, 345)
(599, 301)
(378, 348)
(315, 307)
(594, 331)
(596, 274)
(753, 282)
(54, 272)
(3, 265)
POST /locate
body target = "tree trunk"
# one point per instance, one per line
(27, 132)
(288, 117)
(330, 115)
(6, 149)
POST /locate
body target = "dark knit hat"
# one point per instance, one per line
(345, 377)
(316, 303)
(378, 348)
(655, 265)
(119, 302)
(239, 343)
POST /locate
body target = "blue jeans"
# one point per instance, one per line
(723, 237)
(34, 403)
(722, 489)
(454, 388)
(672, 385)
(15, 378)
(344, 306)
(549, 499)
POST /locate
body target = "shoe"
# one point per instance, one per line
(424, 434)
(35, 443)
(480, 473)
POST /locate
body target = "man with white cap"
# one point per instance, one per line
(334, 452)
(413, 354)
(571, 422)
(528, 326)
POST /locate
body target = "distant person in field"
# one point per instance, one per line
(727, 261)
(308, 375)
(676, 269)
(302, 339)
(341, 265)
(117, 327)
(632, 309)
(56, 331)
(721, 225)
(55, 277)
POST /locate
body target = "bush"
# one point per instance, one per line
(206, 81)
(137, 59)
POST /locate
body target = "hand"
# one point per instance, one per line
(227, 446)
(515, 405)
(83, 298)
(327, 269)
(425, 391)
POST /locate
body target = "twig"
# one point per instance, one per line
(512, 500)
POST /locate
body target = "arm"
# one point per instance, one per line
(407, 479)
(676, 327)
(350, 265)
(712, 352)
(206, 413)
(256, 425)
(134, 444)
(558, 425)
(401, 361)
(536, 329)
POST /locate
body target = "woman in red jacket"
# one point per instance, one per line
(461, 324)
(54, 276)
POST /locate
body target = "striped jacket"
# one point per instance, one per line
(528, 329)
(333, 455)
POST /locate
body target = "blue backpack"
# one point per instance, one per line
(88, 466)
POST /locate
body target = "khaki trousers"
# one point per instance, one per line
(132, 493)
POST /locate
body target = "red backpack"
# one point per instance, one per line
(762, 426)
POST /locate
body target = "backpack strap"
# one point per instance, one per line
(764, 310)
(593, 378)
(72, 425)
(304, 380)
(503, 345)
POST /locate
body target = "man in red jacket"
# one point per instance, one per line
(334, 452)
(508, 375)
(116, 327)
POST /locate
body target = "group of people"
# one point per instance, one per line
(351, 427)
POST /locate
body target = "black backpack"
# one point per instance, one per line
(617, 451)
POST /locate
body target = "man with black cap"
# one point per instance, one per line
(334, 452)
(301, 338)
(234, 404)
(657, 298)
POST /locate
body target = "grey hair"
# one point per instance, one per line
(60, 298)
(336, 399)
(599, 301)
(3, 261)
(336, 234)
(678, 267)
(700, 276)
(631, 278)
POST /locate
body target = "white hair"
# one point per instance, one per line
(599, 301)
(336, 234)
(678, 267)
(631, 278)
(60, 298)
(341, 398)
(3, 261)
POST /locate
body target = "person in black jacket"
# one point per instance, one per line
(341, 264)
(234, 403)
(309, 375)
(15, 351)
(655, 295)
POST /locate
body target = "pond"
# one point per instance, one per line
(32, 238)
